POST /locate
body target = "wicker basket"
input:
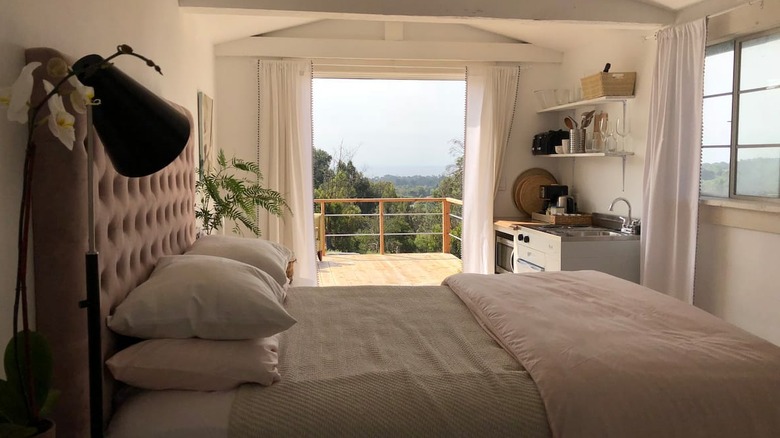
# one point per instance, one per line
(560, 219)
(608, 84)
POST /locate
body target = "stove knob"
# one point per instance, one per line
(520, 237)
(526, 239)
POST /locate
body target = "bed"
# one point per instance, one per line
(478, 356)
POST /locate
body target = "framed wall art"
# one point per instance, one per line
(205, 132)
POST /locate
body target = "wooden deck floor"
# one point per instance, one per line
(387, 269)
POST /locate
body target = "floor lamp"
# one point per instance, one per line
(141, 134)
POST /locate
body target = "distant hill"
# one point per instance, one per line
(417, 186)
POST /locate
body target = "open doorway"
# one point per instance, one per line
(388, 173)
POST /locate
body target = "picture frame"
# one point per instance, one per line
(205, 130)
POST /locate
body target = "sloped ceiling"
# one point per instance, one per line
(233, 20)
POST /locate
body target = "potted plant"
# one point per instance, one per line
(22, 415)
(233, 190)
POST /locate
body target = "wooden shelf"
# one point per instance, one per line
(590, 154)
(589, 102)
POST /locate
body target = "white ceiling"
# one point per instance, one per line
(228, 25)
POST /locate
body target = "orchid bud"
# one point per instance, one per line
(56, 67)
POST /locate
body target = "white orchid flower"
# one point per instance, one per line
(82, 95)
(61, 122)
(17, 97)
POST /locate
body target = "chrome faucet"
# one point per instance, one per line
(629, 225)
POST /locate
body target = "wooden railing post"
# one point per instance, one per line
(445, 226)
(323, 246)
(381, 227)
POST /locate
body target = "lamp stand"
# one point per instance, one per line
(92, 303)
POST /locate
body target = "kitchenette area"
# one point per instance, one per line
(556, 237)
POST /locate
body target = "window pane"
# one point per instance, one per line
(758, 171)
(716, 130)
(760, 65)
(719, 69)
(758, 117)
(715, 171)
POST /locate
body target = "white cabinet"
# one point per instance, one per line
(539, 251)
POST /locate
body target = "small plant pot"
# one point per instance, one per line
(48, 430)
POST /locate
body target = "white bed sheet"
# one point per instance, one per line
(173, 414)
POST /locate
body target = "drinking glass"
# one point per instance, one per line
(622, 131)
(608, 131)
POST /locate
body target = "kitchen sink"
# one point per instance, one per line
(591, 233)
(575, 233)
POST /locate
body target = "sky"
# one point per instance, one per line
(757, 117)
(396, 127)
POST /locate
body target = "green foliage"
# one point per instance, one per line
(451, 186)
(759, 177)
(411, 186)
(715, 179)
(755, 177)
(233, 190)
(340, 179)
(16, 417)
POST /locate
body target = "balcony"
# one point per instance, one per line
(387, 241)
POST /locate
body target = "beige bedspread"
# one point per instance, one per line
(400, 361)
(614, 359)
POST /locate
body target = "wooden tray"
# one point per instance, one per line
(525, 190)
(560, 219)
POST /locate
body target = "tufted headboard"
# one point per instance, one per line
(138, 220)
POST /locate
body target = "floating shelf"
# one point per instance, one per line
(589, 102)
(590, 154)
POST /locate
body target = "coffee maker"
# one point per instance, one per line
(549, 194)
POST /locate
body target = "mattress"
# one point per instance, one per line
(362, 361)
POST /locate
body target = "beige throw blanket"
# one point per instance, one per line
(615, 359)
(389, 361)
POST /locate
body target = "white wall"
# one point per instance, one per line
(595, 181)
(154, 28)
(526, 124)
(236, 114)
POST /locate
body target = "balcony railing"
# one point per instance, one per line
(446, 213)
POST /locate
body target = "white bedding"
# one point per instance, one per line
(173, 414)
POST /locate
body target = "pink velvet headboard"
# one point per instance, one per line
(138, 220)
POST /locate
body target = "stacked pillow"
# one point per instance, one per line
(210, 317)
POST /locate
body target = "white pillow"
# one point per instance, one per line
(202, 296)
(197, 364)
(263, 254)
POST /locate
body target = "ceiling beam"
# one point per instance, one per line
(604, 11)
(386, 49)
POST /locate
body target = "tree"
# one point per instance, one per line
(322, 170)
(451, 186)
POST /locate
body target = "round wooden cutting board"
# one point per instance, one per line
(526, 189)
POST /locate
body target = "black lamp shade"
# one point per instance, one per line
(140, 132)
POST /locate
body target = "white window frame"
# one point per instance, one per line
(735, 96)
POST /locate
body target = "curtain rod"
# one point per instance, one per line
(714, 14)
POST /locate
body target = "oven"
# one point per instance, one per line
(529, 256)
(505, 253)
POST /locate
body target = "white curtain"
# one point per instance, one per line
(491, 96)
(285, 156)
(671, 176)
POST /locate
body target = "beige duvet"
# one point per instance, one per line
(614, 359)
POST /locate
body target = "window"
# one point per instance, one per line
(741, 118)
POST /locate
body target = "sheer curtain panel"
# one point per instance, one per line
(673, 163)
(491, 96)
(284, 152)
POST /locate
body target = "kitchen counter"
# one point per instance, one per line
(509, 225)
